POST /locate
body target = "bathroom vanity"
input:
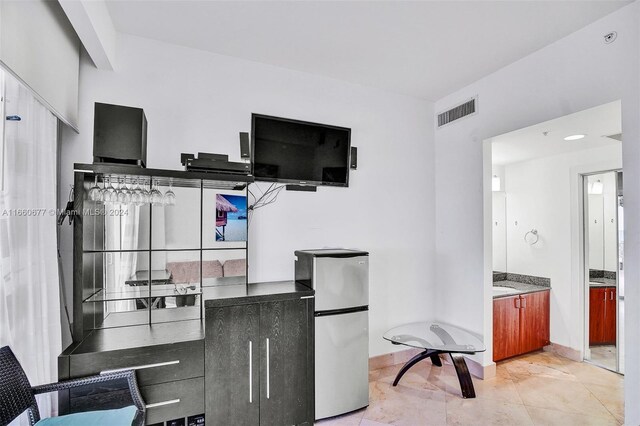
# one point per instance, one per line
(520, 315)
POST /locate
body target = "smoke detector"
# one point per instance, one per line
(610, 37)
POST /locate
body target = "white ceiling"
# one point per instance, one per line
(425, 49)
(530, 143)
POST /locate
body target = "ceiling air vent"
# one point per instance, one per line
(456, 113)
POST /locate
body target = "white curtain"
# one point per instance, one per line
(29, 291)
(121, 233)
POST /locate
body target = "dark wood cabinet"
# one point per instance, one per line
(602, 315)
(232, 365)
(284, 342)
(259, 363)
(169, 365)
(520, 324)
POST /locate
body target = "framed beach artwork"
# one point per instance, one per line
(231, 217)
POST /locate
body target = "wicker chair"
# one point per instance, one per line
(17, 395)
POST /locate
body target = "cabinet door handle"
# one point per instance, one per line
(524, 302)
(605, 295)
(611, 295)
(141, 367)
(267, 368)
(517, 300)
(160, 404)
(250, 372)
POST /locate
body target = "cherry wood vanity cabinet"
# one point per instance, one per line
(602, 315)
(506, 327)
(520, 324)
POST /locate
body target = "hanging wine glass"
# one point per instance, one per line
(121, 194)
(103, 191)
(128, 198)
(156, 195)
(95, 193)
(146, 193)
(110, 195)
(136, 194)
(124, 195)
(170, 196)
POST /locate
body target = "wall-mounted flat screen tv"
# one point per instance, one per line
(299, 152)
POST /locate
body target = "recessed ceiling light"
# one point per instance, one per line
(574, 137)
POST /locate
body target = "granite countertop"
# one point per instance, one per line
(602, 282)
(522, 288)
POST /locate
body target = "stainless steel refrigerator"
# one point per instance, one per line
(340, 278)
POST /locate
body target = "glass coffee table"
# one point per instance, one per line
(438, 338)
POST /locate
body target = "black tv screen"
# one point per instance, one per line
(299, 152)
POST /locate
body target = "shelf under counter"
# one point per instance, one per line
(142, 292)
(141, 316)
(218, 296)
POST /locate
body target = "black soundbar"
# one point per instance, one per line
(201, 165)
(304, 188)
(213, 163)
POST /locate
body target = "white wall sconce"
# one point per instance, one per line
(495, 183)
(595, 188)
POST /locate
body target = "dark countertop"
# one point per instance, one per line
(183, 324)
(602, 282)
(521, 288)
(253, 293)
(113, 339)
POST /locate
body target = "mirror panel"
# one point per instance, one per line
(114, 293)
(176, 289)
(177, 226)
(499, 232)
(224, 267)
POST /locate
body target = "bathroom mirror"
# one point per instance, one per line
(602, 228)
(499, 221)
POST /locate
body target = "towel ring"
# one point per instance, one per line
(533, 232)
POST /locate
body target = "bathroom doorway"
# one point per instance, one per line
(536, 195)
(603, 210)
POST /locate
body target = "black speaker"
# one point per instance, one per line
(303, 188)
(244, 145)
(354, 157)
(119, 135)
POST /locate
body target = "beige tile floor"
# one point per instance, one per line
(604, 356)
(536, 389)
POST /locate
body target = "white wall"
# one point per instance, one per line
(573, 74)
(539, 196)
(196, 101)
